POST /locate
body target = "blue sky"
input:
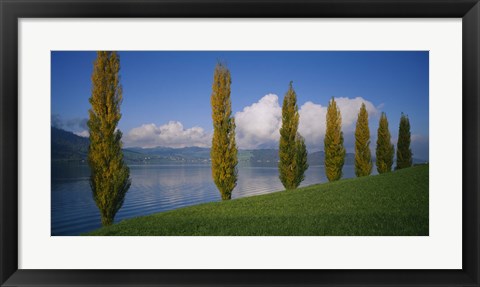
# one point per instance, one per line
(167, 94)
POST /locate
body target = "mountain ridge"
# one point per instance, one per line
(67, 146)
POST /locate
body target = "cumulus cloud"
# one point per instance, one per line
(349, 109)
(74, 125)
(312, 124)
(84, 134)
(418, 138)
(172, 134)
(258, 125)
(57, 121)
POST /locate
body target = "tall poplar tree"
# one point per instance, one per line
(301, 158)
(224, 148)
(404, 153)
(363, 157)
(110, 177)
(292, 150)
(385, 149)
(333, 143)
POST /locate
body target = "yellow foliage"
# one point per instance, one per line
(224, 150)
(333, 143)
(363, 157)
(109, 178)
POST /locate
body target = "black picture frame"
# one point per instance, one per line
(11, 11)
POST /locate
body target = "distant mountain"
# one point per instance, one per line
(160, 155)
(270, 157)
(261, 157)
(67, 146)
(318, 158)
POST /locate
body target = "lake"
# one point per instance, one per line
(156, 188)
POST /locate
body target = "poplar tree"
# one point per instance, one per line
(404, 153)
(109, 177)
(224, 148)
(333, 143)
(292, 150)
(385, 148)
(301, 158)
(363, 157)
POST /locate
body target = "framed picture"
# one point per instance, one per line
(160, 132)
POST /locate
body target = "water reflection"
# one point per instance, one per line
(156, 188)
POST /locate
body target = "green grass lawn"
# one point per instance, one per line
(390, 204)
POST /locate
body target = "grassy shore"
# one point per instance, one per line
(389, 204)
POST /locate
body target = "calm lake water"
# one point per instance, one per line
(156, 188)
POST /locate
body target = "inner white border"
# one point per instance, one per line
(442, 249)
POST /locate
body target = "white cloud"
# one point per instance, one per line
(171, 134)
(258, 125)
(349, 109)
(312, 124)
(84, 134)
(418, 138)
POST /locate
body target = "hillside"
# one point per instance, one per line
(67, 146)
(392, 204)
